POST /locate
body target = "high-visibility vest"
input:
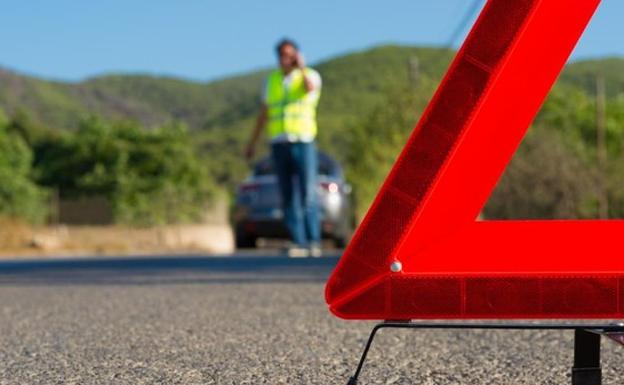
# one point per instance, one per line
(291, 109)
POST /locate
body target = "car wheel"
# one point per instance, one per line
(340, 242)
(245, 240)
(343, 235)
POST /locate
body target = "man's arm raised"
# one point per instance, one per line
(307, 82)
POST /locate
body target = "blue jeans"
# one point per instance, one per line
(296, 168)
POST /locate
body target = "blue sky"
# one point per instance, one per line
(204, 40)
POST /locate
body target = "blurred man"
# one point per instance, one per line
(289, 99)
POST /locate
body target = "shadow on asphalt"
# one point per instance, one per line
(163, 270)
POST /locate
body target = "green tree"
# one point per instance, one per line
(563, 186)
(375, 140)
(20, 197)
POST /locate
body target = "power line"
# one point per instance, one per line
(470, 13)
(461, 27)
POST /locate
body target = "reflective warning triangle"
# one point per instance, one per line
(420, 254)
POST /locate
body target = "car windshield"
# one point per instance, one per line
(327, 166)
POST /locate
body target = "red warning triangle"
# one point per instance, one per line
(420, 254)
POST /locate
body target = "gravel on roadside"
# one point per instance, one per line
(199, 328)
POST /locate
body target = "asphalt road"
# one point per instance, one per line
(249, 319)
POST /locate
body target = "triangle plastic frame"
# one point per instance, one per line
(420, 254)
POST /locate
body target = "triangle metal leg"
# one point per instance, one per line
(586, 370)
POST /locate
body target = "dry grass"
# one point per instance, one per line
(18, 239)
(14, 235)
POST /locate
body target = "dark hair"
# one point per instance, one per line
(283, 43)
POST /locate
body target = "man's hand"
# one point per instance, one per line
(299, 61)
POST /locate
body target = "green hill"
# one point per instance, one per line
(380, 90)
(220, 112)
(352, 84)
(583, 74)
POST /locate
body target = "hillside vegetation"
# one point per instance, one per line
(371, 101)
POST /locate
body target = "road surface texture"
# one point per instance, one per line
(238, 320)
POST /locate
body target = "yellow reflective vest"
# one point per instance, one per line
(291, 109)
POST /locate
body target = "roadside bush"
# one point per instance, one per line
(549, 177)
(150, 176)
(554, 173)
(20, 197)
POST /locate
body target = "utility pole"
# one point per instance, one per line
(601, 147)
(413, 70)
